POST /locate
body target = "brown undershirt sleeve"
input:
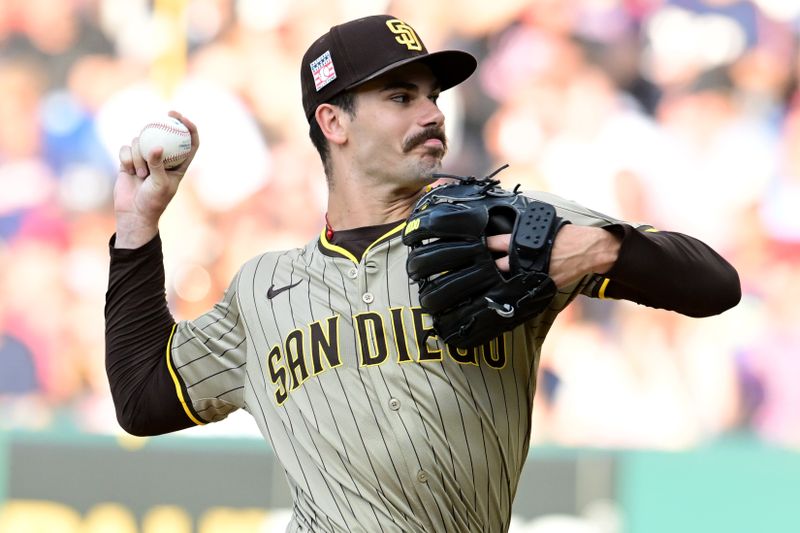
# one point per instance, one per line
(672, 271)
(138, 328)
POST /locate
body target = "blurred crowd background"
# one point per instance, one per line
(680, 113)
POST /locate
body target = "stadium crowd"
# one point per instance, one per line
(680, 113)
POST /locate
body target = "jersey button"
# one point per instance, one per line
(394, 404)
(368, 298)
(422, 476)
(352, 273)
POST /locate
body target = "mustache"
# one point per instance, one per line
(431, 132)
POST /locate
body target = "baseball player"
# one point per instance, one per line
(377, 423)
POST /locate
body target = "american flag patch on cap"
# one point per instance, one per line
(323, 71)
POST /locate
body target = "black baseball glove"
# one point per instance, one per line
(470, 299)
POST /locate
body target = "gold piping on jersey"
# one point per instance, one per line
(177, 382)
(602, 292)
(323, 239)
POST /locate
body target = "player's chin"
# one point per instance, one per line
(428, 166)
(433, 157)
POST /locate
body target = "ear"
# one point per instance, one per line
(333, 122)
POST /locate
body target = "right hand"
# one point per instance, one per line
(577, 251)
(144, 188)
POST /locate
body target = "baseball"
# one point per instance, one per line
(171, 135)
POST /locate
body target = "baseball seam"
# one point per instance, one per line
(162, 126)
(170, 129)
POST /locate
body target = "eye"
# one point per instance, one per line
(434, 98)
(400, 98)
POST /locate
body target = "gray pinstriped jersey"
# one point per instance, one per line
(377, 427)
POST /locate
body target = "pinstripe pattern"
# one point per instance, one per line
(376, 430)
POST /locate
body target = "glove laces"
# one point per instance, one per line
(486, 182)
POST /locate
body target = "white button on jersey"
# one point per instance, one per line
(394, 404)
(352, 273)
(368, 297)
(422, 476)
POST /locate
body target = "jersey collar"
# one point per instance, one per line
(354, 244)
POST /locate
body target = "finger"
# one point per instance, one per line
(189, 125)
(498, 243)
(126, 160)
(155, 162)
(194, 135)
(138, 159)
(503, 264)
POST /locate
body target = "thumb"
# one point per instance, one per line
(155, 163)
(155, 160)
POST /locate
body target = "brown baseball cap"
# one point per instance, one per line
(363, 49)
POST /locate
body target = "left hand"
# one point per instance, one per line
(577, 251)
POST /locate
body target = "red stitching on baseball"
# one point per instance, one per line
(176, 156)
(172, 129)
(167, 127)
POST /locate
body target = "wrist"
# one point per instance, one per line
(608, 252)
(132, 232)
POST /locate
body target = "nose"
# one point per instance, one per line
(431, 115)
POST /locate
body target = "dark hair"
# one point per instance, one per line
(347, 102)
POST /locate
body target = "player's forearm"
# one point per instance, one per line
(671, 271)
(138, 326)
(581, 250)
(134, 232)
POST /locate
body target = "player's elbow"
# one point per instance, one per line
(715, 298)
(133, 422)
(136, 431)
(731, 290)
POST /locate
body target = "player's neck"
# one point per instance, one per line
(352, 213)
(352, 205)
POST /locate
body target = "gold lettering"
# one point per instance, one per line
(412, 225)
(465, 356)
(325, 344)
(423, 334)
(405, 34)
(399, 330)
(294, 357)
(494, 352)
(372, 338)
(277, 374)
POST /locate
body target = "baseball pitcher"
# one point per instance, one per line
(391, 362)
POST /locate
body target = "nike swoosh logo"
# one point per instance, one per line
(272, 292)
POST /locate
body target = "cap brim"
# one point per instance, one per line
(450, 67)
